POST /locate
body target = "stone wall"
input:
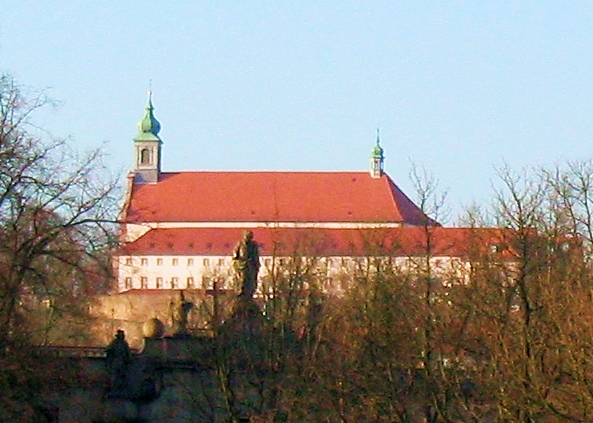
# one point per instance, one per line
(130, 310)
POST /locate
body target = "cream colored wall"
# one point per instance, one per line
(133, 231)
(163, 270)
(203, 270)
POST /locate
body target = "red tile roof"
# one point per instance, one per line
(404, 241)
(271, 197)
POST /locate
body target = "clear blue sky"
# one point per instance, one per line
(457, 87)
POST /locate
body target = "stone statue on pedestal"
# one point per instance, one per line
(246, 264)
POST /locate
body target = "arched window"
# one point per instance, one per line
(145, 156)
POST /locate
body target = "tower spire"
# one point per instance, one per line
(377, 159)
(148, 127)
(147, 146)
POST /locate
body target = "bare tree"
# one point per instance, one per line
(529, 322)
(56, 217)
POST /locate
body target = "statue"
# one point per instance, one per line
(246, 264)
(179, 311)
(118, 358)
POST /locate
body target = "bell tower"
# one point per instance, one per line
(377, 159)
(147, 147)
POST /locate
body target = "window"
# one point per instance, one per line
(159, 282)
(143, 282)
(144, 262)
(174, 283)
(190, 261)
(159, 262)
(206, 262)
(220, 262)
(175, 262)
(268, 262)
(129, 261)
(145, 156)
(128, 283)
(190, 282)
